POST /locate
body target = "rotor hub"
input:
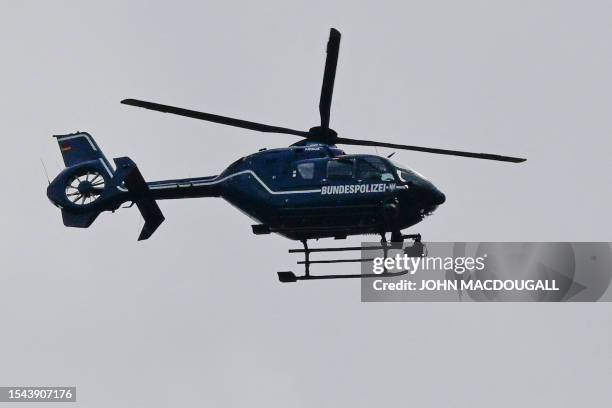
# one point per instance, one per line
(85, 187)
(323, 135)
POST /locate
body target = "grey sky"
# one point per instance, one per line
(196, 314)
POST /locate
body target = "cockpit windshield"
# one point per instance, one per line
(404, 173)
(373, 168)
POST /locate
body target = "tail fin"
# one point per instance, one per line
(80, 147)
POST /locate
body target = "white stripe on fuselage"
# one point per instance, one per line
(220, 180)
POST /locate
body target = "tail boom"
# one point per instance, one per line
(185, 188)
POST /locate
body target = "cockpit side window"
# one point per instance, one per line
(306, 170)
(339, 169)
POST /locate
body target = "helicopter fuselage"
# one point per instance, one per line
(313, 190)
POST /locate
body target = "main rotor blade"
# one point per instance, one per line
(329, 75)
(224, 120)
(485, 156)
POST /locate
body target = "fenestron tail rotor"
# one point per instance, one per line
(85, 187)
(322, 133)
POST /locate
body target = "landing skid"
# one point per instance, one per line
(417, 249)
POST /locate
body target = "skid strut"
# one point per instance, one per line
(289, 276)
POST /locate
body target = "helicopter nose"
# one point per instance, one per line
(436, 196)
(432, 196)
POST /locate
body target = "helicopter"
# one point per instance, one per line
(309, 190)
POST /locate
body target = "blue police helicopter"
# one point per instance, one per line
(309, 190)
